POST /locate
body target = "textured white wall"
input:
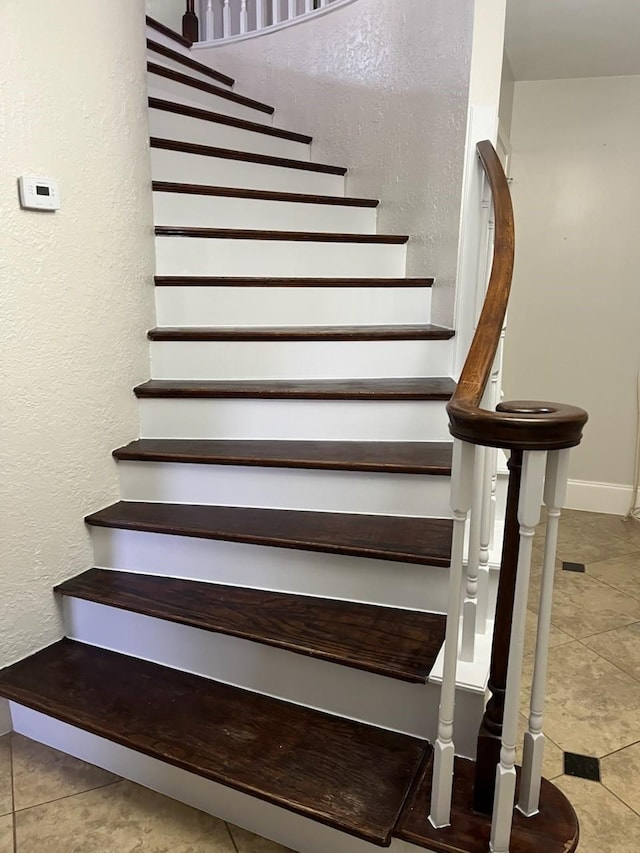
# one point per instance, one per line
(383, 88)
(76, 291)
(574, 319)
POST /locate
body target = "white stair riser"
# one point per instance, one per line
(319, 684)
(285, 488)
(291, 306)
(298, 360)
(329, 420)
(266, 820)
(207, 256)
(220, 172)
(159, 86)
(226, 212)
(160, 59)
(154, 35)
(168, 125)
(314, 573)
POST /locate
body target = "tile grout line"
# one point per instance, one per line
(622, 748)
(619, 799)
(68, 796)
(233, 841)
(611, 663)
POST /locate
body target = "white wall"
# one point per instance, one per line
(76, 289)
(507, 95)
(383, 88)
(574, 320)
(168, 12)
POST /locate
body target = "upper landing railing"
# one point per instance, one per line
(217, 20)
(539, 436)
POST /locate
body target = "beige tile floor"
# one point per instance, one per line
(50, 803)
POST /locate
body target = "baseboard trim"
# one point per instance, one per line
(609, 498)
(5, 717)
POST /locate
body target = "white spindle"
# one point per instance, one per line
(470, 606)
(275, 11)
(308, 5)
(555, 490)
(261, 18)
(226, 19)
(244, 17)
(531, 491)
(209, 31)
(292, 9)
(324, 3)
(444, 749)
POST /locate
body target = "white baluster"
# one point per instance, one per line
(470, 606)
(226, 19)
(292, 9)
(244, 17)
(444, 749)
(275, 11)
(531, 490)
(261, 18)
(555, 492)
(324, 3)
(308, 5)
(209, 32)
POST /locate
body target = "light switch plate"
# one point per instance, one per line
(39, 193)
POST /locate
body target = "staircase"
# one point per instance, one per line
(260, 634)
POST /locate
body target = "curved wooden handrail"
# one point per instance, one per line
(525, 425)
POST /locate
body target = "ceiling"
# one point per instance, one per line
(554, 39)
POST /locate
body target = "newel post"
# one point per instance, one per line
(490, 735)
(190, 28)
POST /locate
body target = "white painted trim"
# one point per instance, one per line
(281, 25)
(609, 498)
(284, 827)
(5, 717)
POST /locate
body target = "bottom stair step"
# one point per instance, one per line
(345, 774)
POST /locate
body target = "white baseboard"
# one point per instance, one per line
(610, 498)
(5, 717)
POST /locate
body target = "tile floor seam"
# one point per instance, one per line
(610, 662)
(233, 841)
(618, 798)
(602, 633)
(605, 583)
(67, 796)
(616, 751)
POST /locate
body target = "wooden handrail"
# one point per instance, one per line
(524, 425)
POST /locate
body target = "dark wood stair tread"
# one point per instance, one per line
(195, 83)
(424, 332)
(553, 830)
(398, 457)
(426, 541)
(398, 389)
(245, 156)
(342, 773)
(264, 195)
(188, 62)
(299, 281)
(221, 118)
(167, 31)
(400, 644)
(286, 236)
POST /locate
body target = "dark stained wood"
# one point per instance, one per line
(490, 735)
(195, 83)
(231, 121)
(400, 644)
(554, 830)
(245, 156)
(426, 541)
(342, 773)
(291, 236)
(431, 388)
(424, 332)
(522, 424)
(188, 62)
(167, 31)
(397, 457)
(265, 195)
(190, 26)
(260, 281)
